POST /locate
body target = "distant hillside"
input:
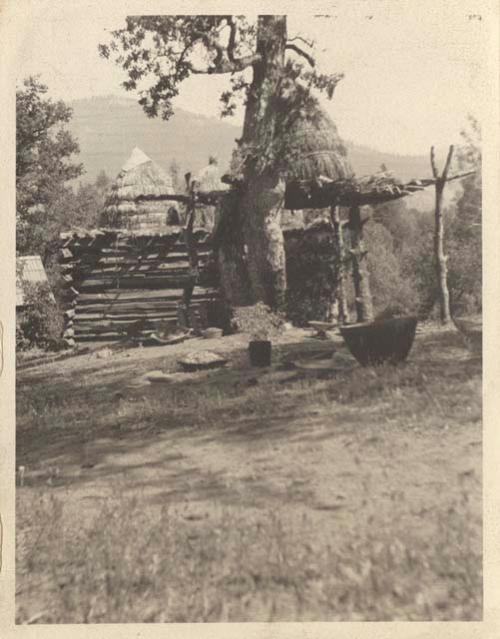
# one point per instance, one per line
(109, 127)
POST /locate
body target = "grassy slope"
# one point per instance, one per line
(243, 495)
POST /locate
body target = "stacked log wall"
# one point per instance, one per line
(115, 279)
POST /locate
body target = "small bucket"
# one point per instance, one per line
(260, 353)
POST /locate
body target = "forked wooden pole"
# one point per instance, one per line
(441, 258)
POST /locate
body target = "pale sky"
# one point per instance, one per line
(413, 69)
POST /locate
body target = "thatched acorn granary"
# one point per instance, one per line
(140, 177)
(316, 148)
(135, 273)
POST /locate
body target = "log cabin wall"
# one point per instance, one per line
(117, 278)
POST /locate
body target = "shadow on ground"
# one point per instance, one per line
(78, 419)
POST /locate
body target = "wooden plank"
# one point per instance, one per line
(140, 275)
(110, 336)
(171, 258)
(135, 282)
(117, 327)
(138, 307)
(119, 317)
(140, 294)
(123, 308)
(122, 249)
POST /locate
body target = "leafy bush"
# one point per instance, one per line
(388, 284)
(40, 323)
(257, 320)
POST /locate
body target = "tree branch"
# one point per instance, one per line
(231, 45)
(448, 161)
(309, 43)
(228, 66)
(433, 164)
(224, 61)
(460, 175)
(293, 47)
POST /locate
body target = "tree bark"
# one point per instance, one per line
(230, 250)
(261, 198)
(441, 259)
(338, 234)
(364, 305)
(439, 254)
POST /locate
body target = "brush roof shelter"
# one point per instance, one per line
(29, 271)
(135, 201)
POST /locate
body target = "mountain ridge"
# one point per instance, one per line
(109, 127)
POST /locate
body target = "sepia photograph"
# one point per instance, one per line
(249, 313)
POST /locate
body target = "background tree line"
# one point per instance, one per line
(400, 242)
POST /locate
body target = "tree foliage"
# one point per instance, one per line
(159, 52)
(44, 148)
(465, 249)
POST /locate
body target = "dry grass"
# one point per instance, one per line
(245, 496)
(130, 565)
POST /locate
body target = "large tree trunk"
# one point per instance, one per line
(230, 249)
(364, 305)
(261, 199)
(264, 243)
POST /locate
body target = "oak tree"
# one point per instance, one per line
(272, 73)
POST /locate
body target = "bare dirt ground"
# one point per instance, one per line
(251, 494)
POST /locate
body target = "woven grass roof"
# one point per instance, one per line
(316, 148)
(29, 270)
(140, 176)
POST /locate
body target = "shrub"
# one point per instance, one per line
(388, 285)
(40, 323)
(258, 321)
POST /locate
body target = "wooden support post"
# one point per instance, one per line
(440, 257)
(338, 235)
(364, 305)
(190, 240)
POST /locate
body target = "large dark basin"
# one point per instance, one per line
(381, 341)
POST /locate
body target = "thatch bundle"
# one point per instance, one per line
(140, 176)
(315, 148)
(209, 178)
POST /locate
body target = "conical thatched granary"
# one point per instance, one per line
(140, 176)
(315, 148)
